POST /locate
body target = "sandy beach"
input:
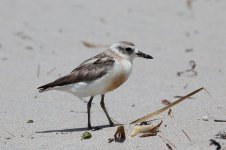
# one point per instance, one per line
(43, 40)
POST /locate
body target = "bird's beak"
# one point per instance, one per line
(141, 54)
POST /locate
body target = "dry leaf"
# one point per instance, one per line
(148, 130)
(167, 107)
(120, 135)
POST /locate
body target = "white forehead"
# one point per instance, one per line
(115, 45)
(122, 44)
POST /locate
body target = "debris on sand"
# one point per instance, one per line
(192, 69)
(30, 121)
(86, 135)
(167, 107)
(169, 144)
(23, 35)
(218, 120)
(120, 135)
(170, 112)
(186, 135)
(188, 50)
(147, 130)
(205, 118)
(213, 142)
(93, 45)
(221, 135)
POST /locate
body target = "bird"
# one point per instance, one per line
(99, 75)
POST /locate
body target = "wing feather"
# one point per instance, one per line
(89, 70)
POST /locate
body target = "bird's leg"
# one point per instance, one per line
(105, 111)
(88, 108)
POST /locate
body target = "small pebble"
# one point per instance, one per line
(205, 118)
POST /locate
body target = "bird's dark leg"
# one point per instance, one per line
(105, 111)
(88, 108)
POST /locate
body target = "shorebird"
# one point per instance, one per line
(99, 75)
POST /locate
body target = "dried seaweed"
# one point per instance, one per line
(192, 69)
(213, 142)
(86, 135)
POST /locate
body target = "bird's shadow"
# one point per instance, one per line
(74, 129)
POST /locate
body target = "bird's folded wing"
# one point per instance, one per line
(88, 71)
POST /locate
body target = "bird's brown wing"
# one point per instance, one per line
(89, 70)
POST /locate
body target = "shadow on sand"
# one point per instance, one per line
(75, 129)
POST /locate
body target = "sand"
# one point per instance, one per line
(42, 40)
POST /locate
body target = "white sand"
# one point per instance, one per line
(49, 33)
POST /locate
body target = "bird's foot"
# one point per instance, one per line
(93, 128)
(89, 127)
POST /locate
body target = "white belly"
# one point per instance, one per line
(110, 81)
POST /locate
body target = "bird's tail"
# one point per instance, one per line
(45, 87)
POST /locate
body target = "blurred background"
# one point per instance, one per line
(42, 40)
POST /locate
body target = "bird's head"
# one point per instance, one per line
(127, 50)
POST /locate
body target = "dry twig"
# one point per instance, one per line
(166, 107)
(186, 134)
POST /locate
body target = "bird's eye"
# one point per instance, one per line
(128, 49)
